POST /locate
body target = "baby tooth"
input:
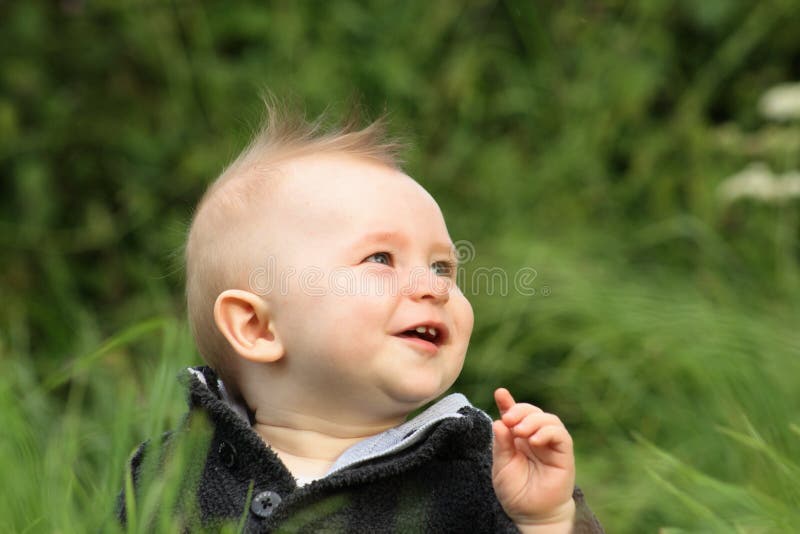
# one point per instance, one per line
(421, 329)
(432, 331)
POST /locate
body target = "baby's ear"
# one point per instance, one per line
(245, 321)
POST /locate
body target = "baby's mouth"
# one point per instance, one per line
(435, 334)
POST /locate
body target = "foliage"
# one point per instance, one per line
(590, 141)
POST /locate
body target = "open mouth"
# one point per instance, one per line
(429, 333)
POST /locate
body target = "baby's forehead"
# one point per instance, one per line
(329, 173)
(347, 187)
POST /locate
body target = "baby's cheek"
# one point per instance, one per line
(360, 315)
(463, 316)
(377, 282)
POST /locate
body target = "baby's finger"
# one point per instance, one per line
(504, 400)
(555, 438)
(518, 412)
(533, 421)
(503, 449)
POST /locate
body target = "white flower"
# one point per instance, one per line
(781, 102)
(758, 182)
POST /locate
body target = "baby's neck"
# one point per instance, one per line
(308, 450)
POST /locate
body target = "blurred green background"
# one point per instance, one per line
(642, 157)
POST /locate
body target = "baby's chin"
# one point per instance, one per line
(416, 394)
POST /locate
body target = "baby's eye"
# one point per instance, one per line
(379, 257)
(444, 268)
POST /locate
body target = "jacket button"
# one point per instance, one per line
(227, 454)
(265, 503)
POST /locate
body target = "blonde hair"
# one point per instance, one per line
(215, 259)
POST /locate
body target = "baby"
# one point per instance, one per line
(320, 287)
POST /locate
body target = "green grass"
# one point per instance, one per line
(70, 434)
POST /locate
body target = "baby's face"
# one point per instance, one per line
(369, 314)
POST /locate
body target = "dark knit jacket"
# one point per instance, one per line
(442, 483)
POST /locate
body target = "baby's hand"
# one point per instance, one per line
(533, 471)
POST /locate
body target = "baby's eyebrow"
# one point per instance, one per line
(401, 239)
(382, 235)
(379, 237)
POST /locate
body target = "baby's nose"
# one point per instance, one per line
(423, 283)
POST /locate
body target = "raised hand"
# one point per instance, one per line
(533, 471)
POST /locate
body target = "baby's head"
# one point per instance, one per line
(321, 278)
